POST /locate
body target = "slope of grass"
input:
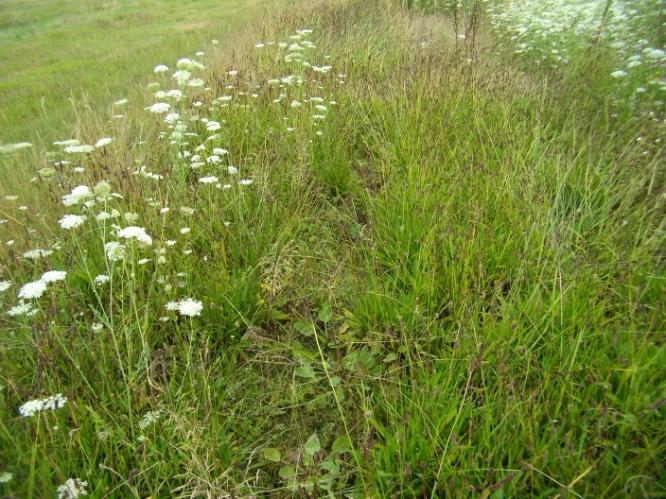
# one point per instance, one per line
(422, 272)
(97, 51)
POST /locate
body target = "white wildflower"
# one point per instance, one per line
(51, 403)
(114, 250)
(137, 233)
(53, 276)
(72, 489)
(32, 290)
(209, 180)
(148, 419)
(71, 221)
(159, 108)
(83, 149)
(35, 254)
(102, 279)
(78, 195)
(187, 307)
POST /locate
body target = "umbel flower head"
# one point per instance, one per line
(71, 221)
(138, 233)
(51, 403)
(78, 195)
(187, 307)
(32, 290)
(72, 489)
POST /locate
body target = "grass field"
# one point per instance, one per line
(359, 248)
(95, 51)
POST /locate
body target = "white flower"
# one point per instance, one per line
(185, 230)
(97, 327)
(245, 181)
(138, 233)
(655, 54)
(5, 285)
(181, 76)
(52, 403)
(149, 418)
(101, 279)
(104, 215)
(78, 195)
(185, 63)
(69, 142)
(209, 180)
(6, 476)
(32, 290)
(53, 276)
(322, 69)
(71, 221)
(20, 309)
(104, 141)
(115, 251)
(171, 118)
(175, 94)
(121, 102)
(130, 217)
(196, 82)
(232, 170)
(187, 307)
(619, 74)
(83, 148)
(37, 253)
(161, 68)
(159, 108)
(212, 126)
(72, 489)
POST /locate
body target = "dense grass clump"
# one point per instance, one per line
(360, 255)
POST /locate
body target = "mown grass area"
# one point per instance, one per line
(95, 52)
(365, 257)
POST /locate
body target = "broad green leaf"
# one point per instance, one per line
(305, 371)
(287, 472)
(341, 445)
(312, 446)
(271, 454)
(390, 358)
(325, 313)
(305, 328)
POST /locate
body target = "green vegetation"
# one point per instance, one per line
(95, 52)
(378, 259)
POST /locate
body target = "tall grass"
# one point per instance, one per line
(446, 281)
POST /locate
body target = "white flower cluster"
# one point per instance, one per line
(72, 489)
(51, 403)
(187, 307)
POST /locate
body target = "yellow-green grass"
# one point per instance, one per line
(55, 50)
